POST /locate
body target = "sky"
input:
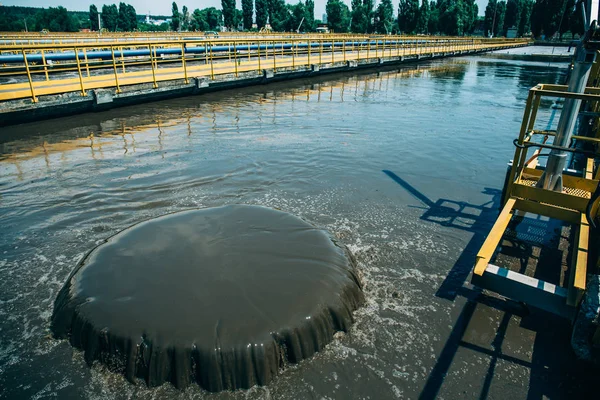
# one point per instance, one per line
(163, 7)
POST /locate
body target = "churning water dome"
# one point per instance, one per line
(222, 296)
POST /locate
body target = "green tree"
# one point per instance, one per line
(175, 17)
(228, 13)
(185, 18)
(110, 17)
(513, 14)
(247, 12)
(122, 19)
(471, 10)
(94, 17)
(262, 13)
(199, 21)
(525, 18)
(309, 22)
(500, 13)
(384, 17)
(434, 18)
(368, 9)
(358, 21)
(278, 14)
(408, 13)
(423, 18)
(338, 16)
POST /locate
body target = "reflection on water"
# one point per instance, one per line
(315, 148)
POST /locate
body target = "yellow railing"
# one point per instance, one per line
(117, 64)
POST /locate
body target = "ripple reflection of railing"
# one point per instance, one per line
(120, 133)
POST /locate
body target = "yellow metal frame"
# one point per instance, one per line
(155, 69)
(521, 194)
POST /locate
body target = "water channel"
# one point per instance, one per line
(405, 166)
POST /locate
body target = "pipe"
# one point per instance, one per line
(107, 55)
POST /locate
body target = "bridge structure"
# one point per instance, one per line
(100, 68)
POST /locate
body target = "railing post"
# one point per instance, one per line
(235, 60)
(275, 57)
(258, 55)
(87, 64)
(309, 45)
(344, 49)
(321, 52)
(112, 50)
(79, 71)
(45, 65)
(212, 68)
(122, 59)
(33, 98)
(152, 64)
(185, 75)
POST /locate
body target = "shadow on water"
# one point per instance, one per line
(554, 372)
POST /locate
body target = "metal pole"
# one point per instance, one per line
(551, 179)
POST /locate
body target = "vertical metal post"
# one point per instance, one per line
(309, 45)
(258, 55)
(332, 51)
(122, 59)
(45, 65)
(185, 75)
(79, 72)
(212, 68)
(321, 52)
(518, 150)
(344, 49)
(87, 65)
(152, 64)
(275, 57)
(112, 50)
(33, 98)
(235, 60)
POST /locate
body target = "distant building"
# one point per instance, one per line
(322, 28)
(324, 19)
(511, 32)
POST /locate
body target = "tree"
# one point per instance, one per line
(525, 18)
(94, 17)
(471, 11)
(500, 13)
(123, 22)
(384, 17)
(408, 13)
(513, 14)
(423, 18)
(110, 17)
(228, 13)
(434, 18)
(309, 22)
(368, 6)
(358, 22)
(338, 16)
(247, 13)
(262, 13)
(175, 17)
(278, 14)
(185, 18)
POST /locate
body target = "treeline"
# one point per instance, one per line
(280, 15)
(541, 18)
(449, 17)
(122, 19)
(56, 19)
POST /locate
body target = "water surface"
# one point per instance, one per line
(405, 166)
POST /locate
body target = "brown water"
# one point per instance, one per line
(404, 166)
